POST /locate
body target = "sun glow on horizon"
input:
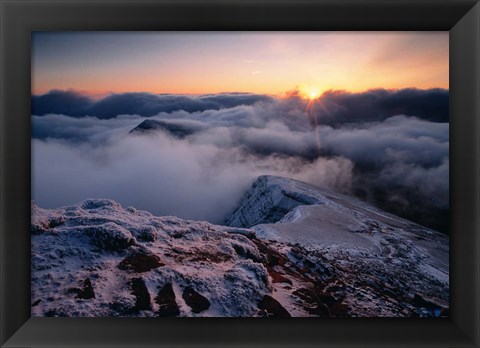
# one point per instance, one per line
(309, 92)
(100, 63)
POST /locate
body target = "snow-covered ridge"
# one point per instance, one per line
(361, 237)
(288, 210)
(270, 198)
(273, 202)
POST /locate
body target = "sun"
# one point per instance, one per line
(309, 92)
(313, 94)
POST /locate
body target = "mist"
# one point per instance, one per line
(165, 176)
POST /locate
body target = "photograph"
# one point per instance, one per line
(240, 174)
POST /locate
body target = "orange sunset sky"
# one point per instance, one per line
(98, 63)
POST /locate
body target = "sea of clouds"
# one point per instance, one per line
(389, 147)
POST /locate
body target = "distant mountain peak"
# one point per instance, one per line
(174, 129)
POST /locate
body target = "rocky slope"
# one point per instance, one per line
(99, 259)
(327, 255)
(375, 251)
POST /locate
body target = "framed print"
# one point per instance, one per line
(183, 173)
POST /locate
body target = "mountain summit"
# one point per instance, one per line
(308, 252)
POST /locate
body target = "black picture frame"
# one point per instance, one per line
(18, 18)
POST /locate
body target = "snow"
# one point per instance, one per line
(88, 244)
(333, 220)
(269, 199)
(347, 231)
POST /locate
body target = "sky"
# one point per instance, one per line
(99, 63)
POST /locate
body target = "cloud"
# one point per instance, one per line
(398, 139)
(398, 162)
(61, 102)
(164, 175)
(81, 129)
(334, 108)
(431, 182)
(72, 103)
(401, 165)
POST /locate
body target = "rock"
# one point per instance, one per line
(56, 221)
(278, 277)
(147, 234)
(86, 292)
(37, 229)
(140, 291)
(140, 262)
(429, 307)
(94, 203)
(209, 256)
(197, 302)
(420, 301)
(122, 306)
(167, 306)
(323, 304)
(273, 307)
(110, 236)
(36, 303)
(246, 251)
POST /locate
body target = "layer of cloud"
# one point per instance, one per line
(399, 162)
(335, 108)
(332, 108)
(75, 104)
